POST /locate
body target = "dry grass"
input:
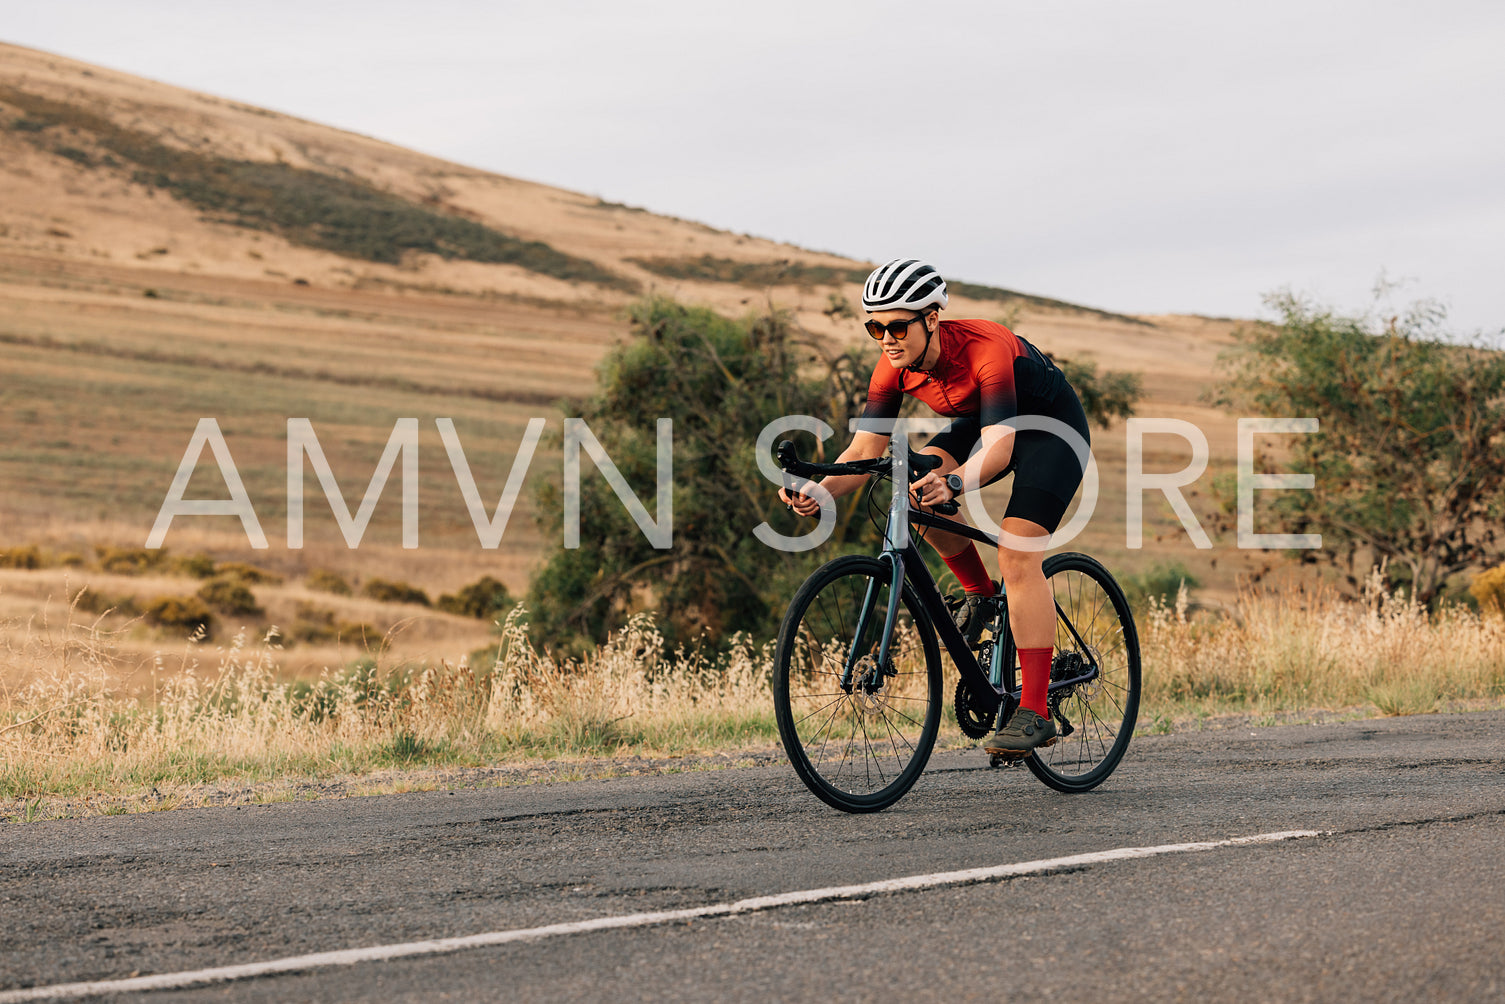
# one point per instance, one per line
(319, 629)
(79, 735)
(210, 716)
(1303, 648)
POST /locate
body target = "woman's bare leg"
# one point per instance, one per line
(1032, 609)
(1032, 613)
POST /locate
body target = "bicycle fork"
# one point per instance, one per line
(893, 557)
(873, 680)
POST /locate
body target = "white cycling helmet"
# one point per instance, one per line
(904, 284)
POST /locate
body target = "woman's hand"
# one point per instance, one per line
(802, 504)
(931, 490)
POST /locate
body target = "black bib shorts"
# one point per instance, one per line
(1047, 471)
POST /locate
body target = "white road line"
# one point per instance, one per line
(319, 960)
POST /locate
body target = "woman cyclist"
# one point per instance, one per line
(981, 375)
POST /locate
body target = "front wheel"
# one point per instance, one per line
(1094, 627)
(858, 733)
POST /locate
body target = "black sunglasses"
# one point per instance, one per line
(899, 329)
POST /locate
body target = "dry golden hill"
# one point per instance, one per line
(167, 255)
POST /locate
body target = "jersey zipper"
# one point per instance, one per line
(940, 385)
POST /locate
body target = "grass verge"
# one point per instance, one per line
(222, 717)
(1285, 651)
(221, 727)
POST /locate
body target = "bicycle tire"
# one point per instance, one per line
(1103, 712)
(858, 750)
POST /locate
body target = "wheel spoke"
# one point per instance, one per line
(1092, 623)
(857, 748)
(839, 699)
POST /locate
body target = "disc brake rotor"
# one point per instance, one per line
(1087, 691)
(1071, 664)
(867, 686)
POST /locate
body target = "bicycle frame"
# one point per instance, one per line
(861, 743)
(990, 688)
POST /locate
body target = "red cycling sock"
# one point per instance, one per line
(969, 570)
(1034, 667)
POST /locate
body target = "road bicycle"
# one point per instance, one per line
(857, 671)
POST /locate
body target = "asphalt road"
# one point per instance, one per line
(1403, 899)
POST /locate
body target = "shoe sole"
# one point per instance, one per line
(1020, 754)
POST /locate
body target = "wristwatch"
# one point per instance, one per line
(954, 482)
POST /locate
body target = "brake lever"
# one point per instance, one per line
(921, 464)
(789, 456)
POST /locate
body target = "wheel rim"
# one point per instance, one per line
(864, 739)
(1092, 626)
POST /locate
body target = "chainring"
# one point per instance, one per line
(973, 721)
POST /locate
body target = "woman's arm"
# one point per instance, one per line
(994, 454)
(864, 446)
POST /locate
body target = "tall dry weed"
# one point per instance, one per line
(1306, 647)
(81, 723)
(626, 689)
(224, 712)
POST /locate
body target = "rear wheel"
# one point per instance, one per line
(1094, 627)
(858, 733)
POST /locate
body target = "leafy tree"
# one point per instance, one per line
(483, 599)
(1104, 397)
(721, 381)
(1410, 454)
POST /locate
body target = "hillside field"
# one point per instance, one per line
(167, 256)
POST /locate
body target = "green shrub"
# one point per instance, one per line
(358, 633)
(311, 623)
(129, 560)
(27, 557)
(1488, 588)
(249, 574)
(720, 381)
(318, 625)
(1405, 448)
(91, 602)
(74, 154)
(782, 272)
(786, 272)
(385, 591)
(325, 581)
(198, 566)
(1160, 582)
(407, 749)
(230, 597)
(186, 612)
(482, 599)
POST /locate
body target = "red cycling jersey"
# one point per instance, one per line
(985, 371)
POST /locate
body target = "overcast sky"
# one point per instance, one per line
(1183, 155)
